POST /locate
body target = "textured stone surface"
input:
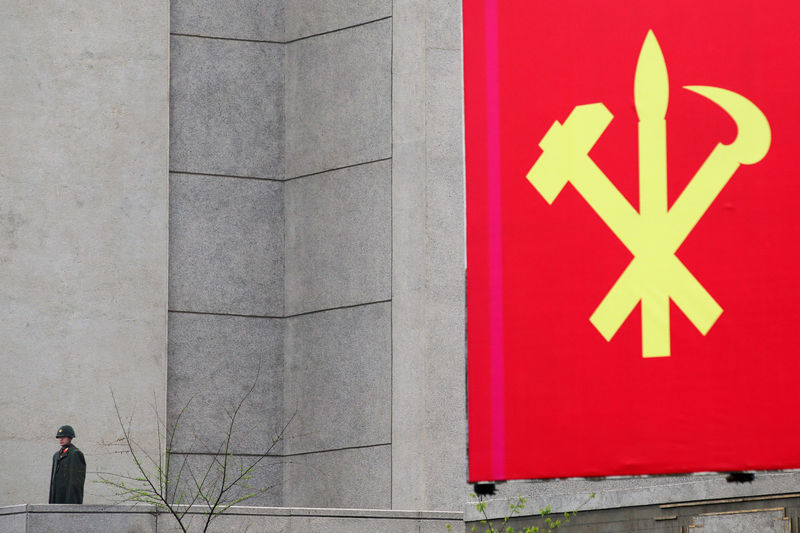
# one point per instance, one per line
(239, 19)
(338, 379)
(226, 104)
(69, 521)
(213, 362)
(226, 245)
(745, 522)
(353, 478)
(234, 521)
(310, 17)
(770, 514)
(443, 28)
(338, 104)
(265, 478)
(354, 525)
(438, 525)
(428, 320)
(83, 228)
(13, 522)
(338, 238)
(445, 157)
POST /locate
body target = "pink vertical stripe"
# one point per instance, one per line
(496, 368)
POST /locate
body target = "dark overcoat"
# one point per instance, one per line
(67, 476)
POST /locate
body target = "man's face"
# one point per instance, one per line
(63, 441)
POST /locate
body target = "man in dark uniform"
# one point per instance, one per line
(69, 470)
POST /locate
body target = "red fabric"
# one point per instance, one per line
(573, 403)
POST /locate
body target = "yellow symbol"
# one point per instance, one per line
(654, 234)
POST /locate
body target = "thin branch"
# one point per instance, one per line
(228, 436)
(168, 452)
(137, 462)
(212, 483)
(161, 476)
(275, 442)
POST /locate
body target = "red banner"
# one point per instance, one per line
(632, 231)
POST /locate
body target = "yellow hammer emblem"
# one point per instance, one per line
(654, 234)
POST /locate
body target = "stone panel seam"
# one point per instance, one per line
(285, 327)
(425, 255)
(284, 101)
(391, 257)
(269, 41)
(336, 308)
(295, 454)
(345, 167)
(210, 313)
(280, 180)
(338, 29)
(233, 454)
(233, 176)
(341, 449)
(198, 36)
(304, 313)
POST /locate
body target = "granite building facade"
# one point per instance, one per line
(199, 193)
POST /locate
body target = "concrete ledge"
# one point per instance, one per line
(566, 495)
(82, 509)
(239, 510)
(145, 519)
(773, 513)
(348, 513)
(78, 518)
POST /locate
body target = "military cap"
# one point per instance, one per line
(66, 431)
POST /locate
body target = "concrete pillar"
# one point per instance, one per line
(428, 309)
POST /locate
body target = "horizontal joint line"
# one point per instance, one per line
(269, 41)
(185, 312)
(234, 176)
(280, 455)
(361, 164)
(216, 38)
(338, 29)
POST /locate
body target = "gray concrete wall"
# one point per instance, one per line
(338, 254)
(226, 284)
(83, 230)
(282, 218)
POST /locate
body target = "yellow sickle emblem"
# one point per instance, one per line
(654, 234)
